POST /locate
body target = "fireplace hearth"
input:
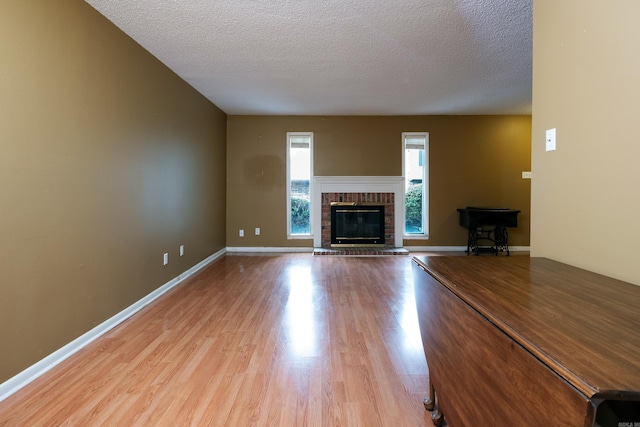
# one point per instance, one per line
(357, 225)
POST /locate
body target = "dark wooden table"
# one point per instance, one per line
(525, 341)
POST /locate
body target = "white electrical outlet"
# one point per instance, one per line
(181, 250)
(526, 175)
(166, 259)
(241, 233)
(257, 231)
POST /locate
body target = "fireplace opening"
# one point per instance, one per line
(354, 225)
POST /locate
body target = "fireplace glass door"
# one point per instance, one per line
(357, 225)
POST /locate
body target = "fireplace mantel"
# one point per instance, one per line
(356, 184)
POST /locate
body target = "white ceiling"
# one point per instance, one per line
(341, 57)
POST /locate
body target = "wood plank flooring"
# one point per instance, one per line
(267, 340)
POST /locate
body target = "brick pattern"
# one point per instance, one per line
(386, 199)
(361, 251)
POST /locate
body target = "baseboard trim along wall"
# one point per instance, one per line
(20, 380)
(260, 249)
(436, 248)
(456, 248)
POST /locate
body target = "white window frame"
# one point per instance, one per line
(299, 236)
(425, 188)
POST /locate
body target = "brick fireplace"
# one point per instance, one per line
(384, 199)
(383, 190)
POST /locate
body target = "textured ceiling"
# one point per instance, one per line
(341, 57)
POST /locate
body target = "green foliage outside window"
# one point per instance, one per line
(300, 216)
(413, 209)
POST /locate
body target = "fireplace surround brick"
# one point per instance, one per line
(386, 199)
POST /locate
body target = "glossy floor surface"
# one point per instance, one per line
(270, 340)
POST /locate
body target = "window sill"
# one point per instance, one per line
(415, 237)
(300, 237)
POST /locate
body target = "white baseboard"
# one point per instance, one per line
(436, 248)
(520, 248)
(260, 249)
(23, 378)
(456, 248)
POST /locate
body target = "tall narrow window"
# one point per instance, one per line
(415, 162)
(299, 174)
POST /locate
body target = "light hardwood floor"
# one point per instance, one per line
(267, 340)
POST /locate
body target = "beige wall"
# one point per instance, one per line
(586, 84)
(107, 160)
(474, 160)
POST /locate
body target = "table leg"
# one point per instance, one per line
(430, 402)
(430, 405)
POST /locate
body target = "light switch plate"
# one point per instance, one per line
(526, 175)
(551, 139)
